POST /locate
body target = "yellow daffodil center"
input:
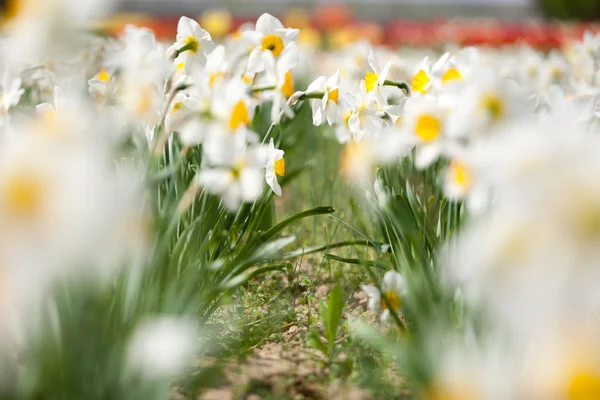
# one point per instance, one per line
(460, 174)
(279, 167)
(50, 116)
(334, 95)
(214, 77)
(273, 43)
(12, 8)
(239, 116)
(177, 106)
(557, 74)
(427, 127)
(180, 66)
(370, 80)
(103, 75)
(347, 118)
(238, 168)
(23, 194)
(494, 106)
(420, 82)
(191, 43)
(392, 299)
(584, 384)
(288, 85)
(248, 79)
(451, 75)
(585, 216)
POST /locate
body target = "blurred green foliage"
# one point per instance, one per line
(586, 10)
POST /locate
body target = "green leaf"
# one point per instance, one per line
(247, 276)
(314, 340)
(290, 220)
(357, 261)
(316, 249)
(335, 306)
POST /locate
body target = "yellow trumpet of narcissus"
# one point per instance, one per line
(11, 9)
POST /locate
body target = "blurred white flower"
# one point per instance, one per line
(275, 166)
(10, 96)
(235, 170)
(484, 102)
(424, 124)
(161, 347)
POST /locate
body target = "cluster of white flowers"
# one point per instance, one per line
(515, 132)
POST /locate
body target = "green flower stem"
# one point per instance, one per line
(400, 85)
(312, 95)
(189, 46)
(257, 89)
(294, 99)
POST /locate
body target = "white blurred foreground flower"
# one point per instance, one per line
(236, 171)
(162, 347)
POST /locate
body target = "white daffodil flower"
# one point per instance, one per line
(100, 83)
(278, 73)
(189, 117)
(358, 160)
(421, 81)
(451, 69)
(231, 106)
(216, 65)
(60, 104)
(425, 125)
(374, 79)
(9, 97)
(235, 171)
(528, 67)
(192, 43)
(393, 289)
(143, 69)
(161, 347)
(325, 109)
(275, 166)
(554, 70)
(269, 38)
(342, 130)
(461, 181)
(484, 103)
(590, 44)
(365, 117)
